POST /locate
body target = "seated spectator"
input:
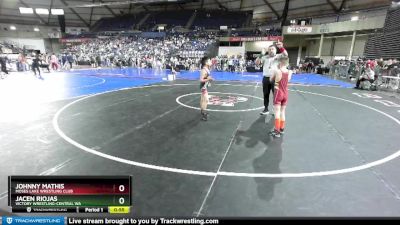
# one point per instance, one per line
(369, 75)
(44, 64)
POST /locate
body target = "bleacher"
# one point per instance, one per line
(385, 44)
(243, 33)
(217, 18)
(392, 22)
(372, 47)
(170, 18)
(82, 35)
(120, 23)
(203, 19)
(389, 45)
(10, 47)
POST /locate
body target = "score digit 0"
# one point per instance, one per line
(121, 188)
(121, 200)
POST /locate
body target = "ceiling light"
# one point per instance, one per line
(57, 11)
(24, 10)
(42, 11)
(354, 18)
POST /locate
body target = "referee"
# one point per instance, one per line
(270, 63)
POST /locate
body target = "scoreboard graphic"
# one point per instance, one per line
(70, 194)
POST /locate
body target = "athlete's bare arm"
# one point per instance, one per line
(273, 75)
(290, 75)
(277, 76)
(204, 77)
(259, 61)
(280, 46)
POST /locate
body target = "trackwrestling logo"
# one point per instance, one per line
(33, 220)
(228, 101)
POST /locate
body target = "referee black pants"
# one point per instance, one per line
(363, 79)
(34, 68)
(4, 69)
(268, 87)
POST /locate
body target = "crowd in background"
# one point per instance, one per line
(185, 50)
(9, 47)
(181, 52)
(234, 63)
(175, 50)
(25, 62)
(348, 68)
(355, 68)
(375, 71)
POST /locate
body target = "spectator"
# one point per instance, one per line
(369, 75)
(70, 60)
(54, 62)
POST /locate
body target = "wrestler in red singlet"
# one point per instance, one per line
(281, 88)
(282, 77)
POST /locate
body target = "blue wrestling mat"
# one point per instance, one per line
(69, 84)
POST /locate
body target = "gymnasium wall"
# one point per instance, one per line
(339, 46)
(46, 40)
(52, 45)
(256, 46)
(362, 14)
(229, 51)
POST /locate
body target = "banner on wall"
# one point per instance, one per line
(74, 40)
(299, 29)
(54, 34)
(269, 38)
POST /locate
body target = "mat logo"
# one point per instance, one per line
(367, 95)
(228, 101)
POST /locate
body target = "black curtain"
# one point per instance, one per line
(61, 21)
